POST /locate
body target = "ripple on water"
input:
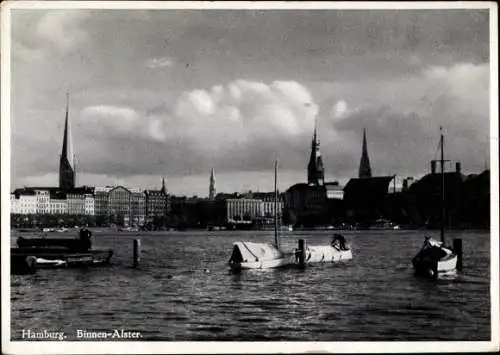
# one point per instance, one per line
(171, 297)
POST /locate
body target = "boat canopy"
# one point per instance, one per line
(249, 252)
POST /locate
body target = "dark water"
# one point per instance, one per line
(173, 297)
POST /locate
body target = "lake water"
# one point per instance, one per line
(184, 291)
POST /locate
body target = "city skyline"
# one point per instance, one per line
(181, 92)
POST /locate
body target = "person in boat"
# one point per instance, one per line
(432, 249)
(338, 242)
(85, 239)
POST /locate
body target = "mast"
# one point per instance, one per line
(276, 237)
(443, 212)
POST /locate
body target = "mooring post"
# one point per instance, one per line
(302, 253)
(457, 248)
(137, 252)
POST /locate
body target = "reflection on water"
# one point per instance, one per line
(184, 290)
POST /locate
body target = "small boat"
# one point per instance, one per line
(38, 253)
(250, 255)
(337, 251)
(435, 258)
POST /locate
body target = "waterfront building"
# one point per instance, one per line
(138, 207)
(101, 200)
(243, 210)
(42, 201)
(76, 203)
(157, 203)
(365, 170)
(67, 174)
(23, 203)
(334, 191)
(315, 170)
(211, 190)
(428, 191)
(364, 198)
(119, 205)
(58, 206)
(267, 199)
(52, 200)
(89, 204)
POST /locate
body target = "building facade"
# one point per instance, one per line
(119, 209)
(243, 210)
(138, 207)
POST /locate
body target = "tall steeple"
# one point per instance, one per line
(365, 171)
(66, 163)
(211, 189)
(315, 170)
(163, 188)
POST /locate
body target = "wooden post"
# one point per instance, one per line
(457, 248)
(137, 253)
(302, 253)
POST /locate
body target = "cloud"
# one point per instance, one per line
(161, 62)
(62, 29)
(403, 118)
(244, 125)
(233, 125)
(340, 110)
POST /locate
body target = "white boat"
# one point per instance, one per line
(251, 255)
(435, 258)
(336, 252)
(326, 253)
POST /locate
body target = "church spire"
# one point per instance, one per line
(211, 189)
(66, 163)
(163, 188)
(365, 171)
(315, 170)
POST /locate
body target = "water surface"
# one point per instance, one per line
(184, 291)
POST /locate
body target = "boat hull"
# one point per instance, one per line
(262, 264)
(28, 260)
(428, 267)
(250, 255)
(326, 254)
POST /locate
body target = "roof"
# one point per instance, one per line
(367, 190)
(375, 183)
(451, 180)
(54, 192)
(303, 187)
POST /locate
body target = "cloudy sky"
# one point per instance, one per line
(178, 92)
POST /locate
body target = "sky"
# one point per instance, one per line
(176, 93)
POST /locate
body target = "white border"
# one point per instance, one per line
(242, 347)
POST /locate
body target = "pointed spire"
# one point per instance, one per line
(66, 165)
(315, 135)
(163, 188)
(365, 170)
(211, 189)
(315, 170)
